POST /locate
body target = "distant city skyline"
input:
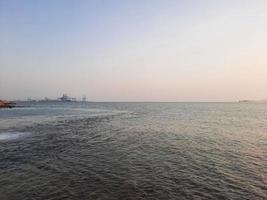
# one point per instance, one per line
(143, 50)
(84, 98)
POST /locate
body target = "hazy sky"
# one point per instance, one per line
(135, 50)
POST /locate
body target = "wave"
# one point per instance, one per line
(7, 136)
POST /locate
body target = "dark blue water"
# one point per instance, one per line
(133, 151)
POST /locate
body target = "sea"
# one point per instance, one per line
(153, 151)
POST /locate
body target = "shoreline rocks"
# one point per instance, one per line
(6, 104)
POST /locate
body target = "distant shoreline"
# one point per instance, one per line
(57, 101)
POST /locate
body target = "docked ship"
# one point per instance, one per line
(66, 98)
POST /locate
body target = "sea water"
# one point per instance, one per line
(72, 150)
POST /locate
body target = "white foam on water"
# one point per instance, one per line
(7, 136)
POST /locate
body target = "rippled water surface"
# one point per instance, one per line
(133, 151)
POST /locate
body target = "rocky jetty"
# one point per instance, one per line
(6, 104)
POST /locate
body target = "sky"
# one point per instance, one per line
(134, 50)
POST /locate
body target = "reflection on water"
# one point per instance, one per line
(135, 151)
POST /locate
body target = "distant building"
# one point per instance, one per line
(84, 98)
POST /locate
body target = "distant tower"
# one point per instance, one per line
(84, 98)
